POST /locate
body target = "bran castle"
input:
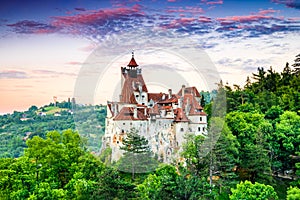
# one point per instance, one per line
(162, 118)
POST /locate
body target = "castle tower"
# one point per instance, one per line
(134, 90)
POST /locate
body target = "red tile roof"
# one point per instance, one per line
(154, 110)
(194, 107)
(132, 63)
(180, 116)
(155, 96)
(129, 86)
(189, 90)
(173, 99)
(127, 113)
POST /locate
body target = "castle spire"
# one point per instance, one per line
(132, 62)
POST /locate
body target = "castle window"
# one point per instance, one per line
(203, 128)
(199, 128)
(143, 96)
(130, 123)
(124, 123)
(137, 96)
(122, 130)
(200, 119)
(181, 129)
(117, 142)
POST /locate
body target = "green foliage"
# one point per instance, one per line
(111, 185)
(137, 156)
(14, 132)
(248, 191)
(168, 183)
(252, 132)
(57, 167)
(293, 193)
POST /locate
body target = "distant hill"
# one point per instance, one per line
(18, 127)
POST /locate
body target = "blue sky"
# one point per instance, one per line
(43, 44)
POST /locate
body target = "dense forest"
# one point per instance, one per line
(257, 155)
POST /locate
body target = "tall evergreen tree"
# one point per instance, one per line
(137, 157)
(296, 65)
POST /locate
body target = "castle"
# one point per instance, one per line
(162, 118)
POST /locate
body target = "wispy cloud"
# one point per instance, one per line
(13, 74)
(289, 3)
(257, 24)
(194, 10)
(74, 63)
(212, 2)
(28, 26)
(99, 24)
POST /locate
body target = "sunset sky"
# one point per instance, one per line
(44, 45)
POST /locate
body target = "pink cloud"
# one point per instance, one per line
(243, 19)
(93, 16)
(294, 19)
(204, 19)
(209, 2)
(74, 63)
(266, 12)
(176, 23)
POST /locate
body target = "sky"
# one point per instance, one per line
(48, 47)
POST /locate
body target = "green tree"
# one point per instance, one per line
(296, 65)
(251, 131)
(137, 157)
(293, 193)
(248, 191)
(286, 140)
(112, 185)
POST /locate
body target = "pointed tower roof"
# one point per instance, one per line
(132, 62)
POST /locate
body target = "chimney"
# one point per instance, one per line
(134, 112)
(180, 101)
(170, 93)
(182, 90)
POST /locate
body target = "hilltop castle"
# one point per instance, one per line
(162, 118)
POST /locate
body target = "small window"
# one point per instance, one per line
(143, 96)
(130, 123)
(181, 129)
(143, 103)
(117, 142)
(137, 96)
(203, 128)
(200, 119)
(123, 123)
(122, 130)
(199, 128)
